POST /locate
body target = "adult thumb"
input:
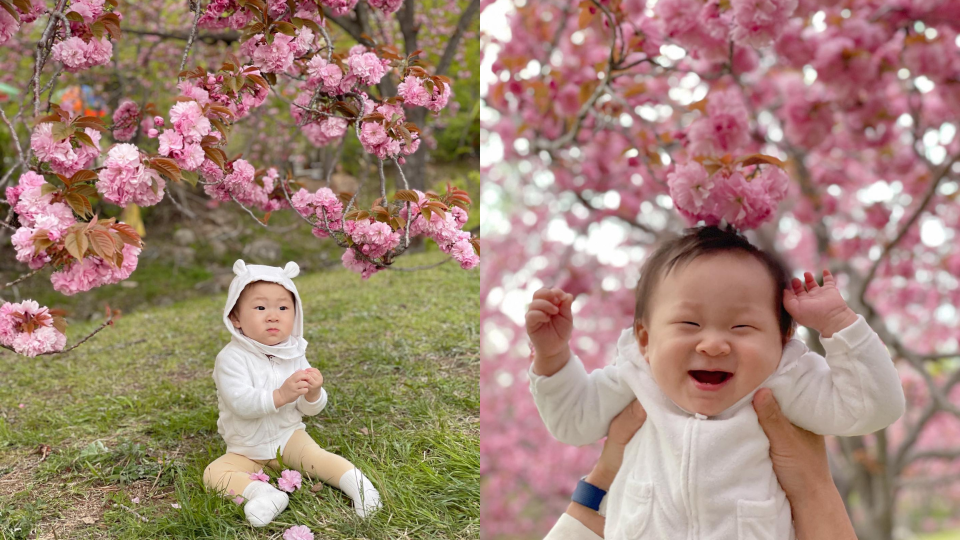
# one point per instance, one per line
(768, 412)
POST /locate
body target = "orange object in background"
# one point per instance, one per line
(79, 100)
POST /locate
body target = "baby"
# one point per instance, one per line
(264, 387)
(714, 322)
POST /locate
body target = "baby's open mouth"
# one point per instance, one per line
(711, 377)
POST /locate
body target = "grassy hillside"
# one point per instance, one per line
(132, 414)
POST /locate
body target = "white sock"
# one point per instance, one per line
(366, 498)
(263, 504)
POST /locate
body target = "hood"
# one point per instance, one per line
(295, 346)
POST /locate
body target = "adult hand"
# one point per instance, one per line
(622, 429)
(800, 463)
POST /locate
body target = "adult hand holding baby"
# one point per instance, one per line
(820, 307)
(549, 324)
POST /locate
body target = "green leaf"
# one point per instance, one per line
(47, 189)
(61, 131)
(191, 177)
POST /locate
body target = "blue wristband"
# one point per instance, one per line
(588, 495)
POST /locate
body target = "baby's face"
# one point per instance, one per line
(266, 313)
(713, 332)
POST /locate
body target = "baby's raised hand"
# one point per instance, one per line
(820, 307)
(549, 324)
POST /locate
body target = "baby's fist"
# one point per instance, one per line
(550, 320)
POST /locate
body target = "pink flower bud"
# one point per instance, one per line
(158, 120)
(152, 133)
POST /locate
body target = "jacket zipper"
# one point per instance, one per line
(689, 470)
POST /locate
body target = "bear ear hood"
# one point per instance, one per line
(295, 345)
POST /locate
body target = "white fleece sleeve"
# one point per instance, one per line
(855, 390)
(237, 391)
(311, 408)
(576, 407)
(570, 528)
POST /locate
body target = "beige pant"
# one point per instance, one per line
(230, 473)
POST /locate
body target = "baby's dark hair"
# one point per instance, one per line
(708, 240)
(236, 305)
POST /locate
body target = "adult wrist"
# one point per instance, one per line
(601, 477)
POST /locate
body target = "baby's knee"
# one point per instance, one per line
(208, 476)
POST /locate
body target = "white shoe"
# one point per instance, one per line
(366, 498)
(264, 502)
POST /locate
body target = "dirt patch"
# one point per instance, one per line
(21, 467)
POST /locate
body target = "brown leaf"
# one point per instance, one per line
(79, 204)
(407, 195)
(316, 488)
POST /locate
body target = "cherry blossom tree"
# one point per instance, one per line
(825, 130)
(278, 53)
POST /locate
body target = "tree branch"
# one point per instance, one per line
(465, 19)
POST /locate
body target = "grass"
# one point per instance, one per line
(133, 412)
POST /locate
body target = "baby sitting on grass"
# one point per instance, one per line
(714, 322)
(264, 387)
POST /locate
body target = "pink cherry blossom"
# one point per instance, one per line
(757, 23)
(125, 121)
(368, 67)
(81, 276)
(386, 6)
(298, 532)
(126, 179)
(275, 57)
(289, 480)
(260, 475)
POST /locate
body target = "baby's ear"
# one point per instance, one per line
(291, 270)
(239, 267)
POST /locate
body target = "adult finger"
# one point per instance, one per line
(627, 422)
(774, 424)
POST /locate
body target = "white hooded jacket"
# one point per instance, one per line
(247, 372)
(687, 476)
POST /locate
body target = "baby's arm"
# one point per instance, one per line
(854, 390)
(236, 391)
(576, 407)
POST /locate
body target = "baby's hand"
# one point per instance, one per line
(549, 325)
(819, 307)
(314, 378)
(295, 386)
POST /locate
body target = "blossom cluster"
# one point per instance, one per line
(93, 271)
(9, 25)
(212, 89)
(414, 92)
(126, 119)
(447, 232)
(76, 54)
(325, 205)
(707, 28)
(182, 143)
(36, 211)
(65, 157)
(727, 195)
(28, 329)
(238, 181)
(381, 137)
(126, 179)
